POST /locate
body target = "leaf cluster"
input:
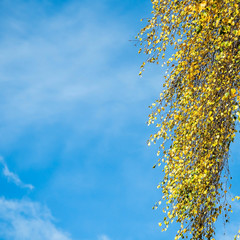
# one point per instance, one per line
(196, 114)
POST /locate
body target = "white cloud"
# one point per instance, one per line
(58, 65)
(103, 237)
(27, 220)
(65, 66)
(12, 177)
(70, 69)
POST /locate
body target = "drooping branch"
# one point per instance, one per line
(198, 108)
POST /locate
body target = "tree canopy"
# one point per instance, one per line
(197, 112)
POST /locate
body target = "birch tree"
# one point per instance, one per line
(197, 112)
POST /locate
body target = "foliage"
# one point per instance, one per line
(197, 112)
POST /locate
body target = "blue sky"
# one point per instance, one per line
(74, 160)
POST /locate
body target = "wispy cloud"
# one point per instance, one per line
(68, 78)
(69, 63)
(27, 220)
(12, 177)
(103, 237)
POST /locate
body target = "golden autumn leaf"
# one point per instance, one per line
(197, 111)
